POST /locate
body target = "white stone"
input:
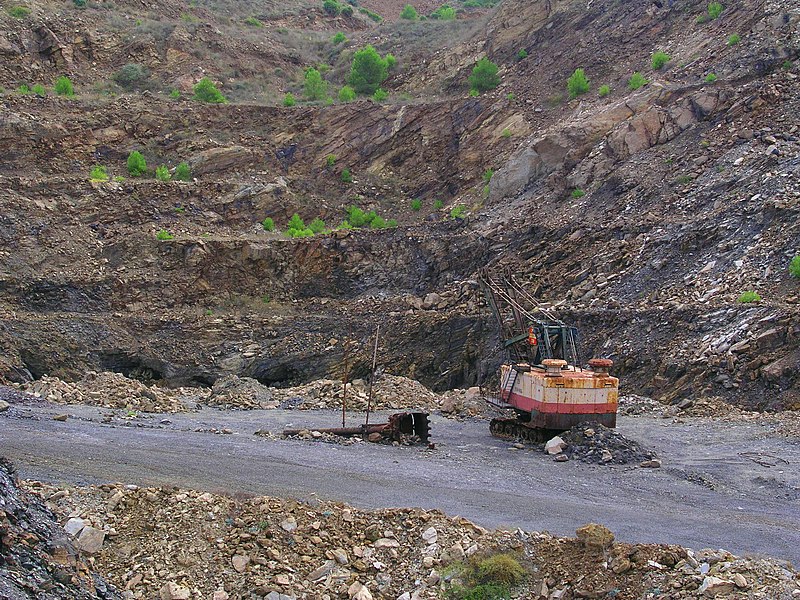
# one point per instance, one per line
(172, 591)
(386, 543)
(555, 446)
(714, 585)
(289, 525)
(240, 562)
(358, 591)
(430, 535)
(74, 526)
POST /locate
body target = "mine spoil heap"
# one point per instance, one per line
(179, 544)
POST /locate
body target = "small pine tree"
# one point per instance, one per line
(380, 95)
(339, 38)
(794, 267)
(484, 76)
(182, 172)
(98, 173)
(409, 13)
(659, 59)
(295, 223)
(577, 84)
(317, 225)
(63, 87)
(636, 81)
(268, 224)
(368, 71)
(332, 7)
(734, 39)
(347, 176)
(347, 94)
(136, 164)
(206, 91)
(315, 88)
(604, 91)
(416, 204)
(162, 173)
(288, 99)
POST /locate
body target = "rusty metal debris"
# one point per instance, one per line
(401, 427)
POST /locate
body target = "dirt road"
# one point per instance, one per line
(709, 493)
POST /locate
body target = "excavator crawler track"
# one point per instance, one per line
(513, 429)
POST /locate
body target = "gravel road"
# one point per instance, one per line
(708, 493)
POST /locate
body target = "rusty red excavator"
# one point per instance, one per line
(540, 378)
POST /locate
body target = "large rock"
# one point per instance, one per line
(713, 586)
(220, 159)
(595, 536)
(555, 446)
(173, 591)
(358, 591)
(90, 540)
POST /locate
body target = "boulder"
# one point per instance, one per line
(595, 536)
(555, 446)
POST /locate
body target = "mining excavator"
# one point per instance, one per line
(540, 378)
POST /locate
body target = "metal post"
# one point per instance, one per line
(372, 375)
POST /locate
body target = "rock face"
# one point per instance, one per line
(37, 559)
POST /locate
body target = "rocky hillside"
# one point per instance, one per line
(641, 216)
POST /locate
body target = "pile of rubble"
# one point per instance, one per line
(390, 392)
(177, 544)
(37, 558)
(786, 422)
(240, 392)
(594, 443)
(111, 390)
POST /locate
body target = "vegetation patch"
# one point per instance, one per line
(749, 297)
(206, 91)
(659, 59)
(484, 76)
(577, 84)
(637, 81)
(484, 578)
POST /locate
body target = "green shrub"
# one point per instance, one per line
(79, 3)
(24, 90)
(317, 225)
(356, 217)
(314, 87)
(136, 164)
(416, 204)
(510, 96)
(500, 568)
(604, 91)
(794, 267)
(659, 59)
(391, 223)
(98, 173)
(715, 10)
(347, 177)
(577, 84)
(268, 224)
(206, 91)
(458, 212)
(578, 193)
(711, 78)
(377, 223)
(409, 13)
(637, 81)
(372, 15)
(484, 76)
(734, 39)
(182, 172)
(487, 175)
(444, 13)
(368, 71)
(473, 93)
(131, 76)
(347, 94)
(253, 22)
(749, 297)
(339, 38)
(331, 7)
(164, 235)
(63, 87)
(162, 173)
(347, 11)
(787, 65)
(380, 95)
(175, 94)
(485, 591)
(391, 61)
(506, 133)
(330, 160)
(438, 204)
(288, 99)
(683, 179)
(39, 90)
(344, 225)
(19, 12)
(522, 54)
